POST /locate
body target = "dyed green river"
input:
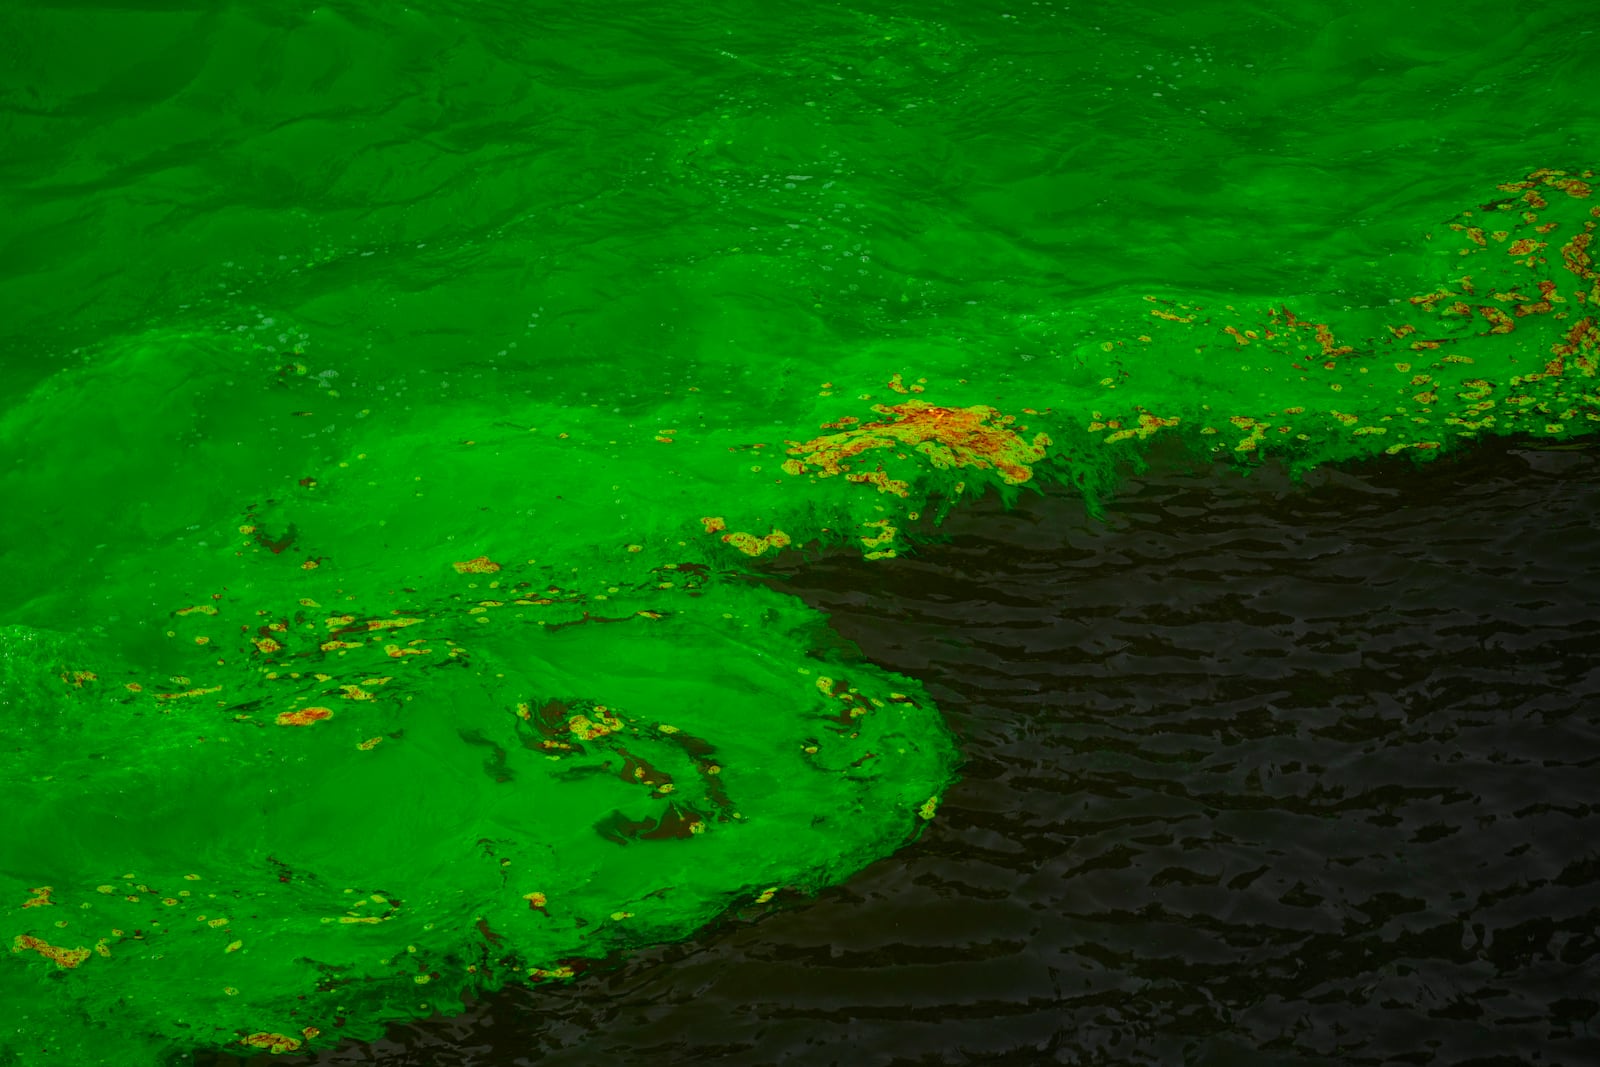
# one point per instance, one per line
(400, 402)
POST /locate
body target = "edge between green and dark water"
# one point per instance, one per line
(398, 403)
(1298, 779)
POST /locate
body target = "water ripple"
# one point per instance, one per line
(1256, 775)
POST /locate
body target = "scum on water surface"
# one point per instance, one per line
(332, 770)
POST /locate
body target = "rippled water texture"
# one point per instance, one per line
(323, 322)
(1257, 775)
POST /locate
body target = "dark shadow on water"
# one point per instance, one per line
(1257, 774)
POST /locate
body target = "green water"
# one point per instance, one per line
(395, 400)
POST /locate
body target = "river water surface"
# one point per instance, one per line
(1257, 774)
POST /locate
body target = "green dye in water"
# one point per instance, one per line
(341, 770)
(327, 702)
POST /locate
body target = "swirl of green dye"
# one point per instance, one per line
(435, 708)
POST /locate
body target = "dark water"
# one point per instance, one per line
(1256, 775)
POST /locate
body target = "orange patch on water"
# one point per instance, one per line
(304, 717)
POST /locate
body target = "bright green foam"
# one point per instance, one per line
(309, 731)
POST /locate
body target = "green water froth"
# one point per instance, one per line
(423, 365)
